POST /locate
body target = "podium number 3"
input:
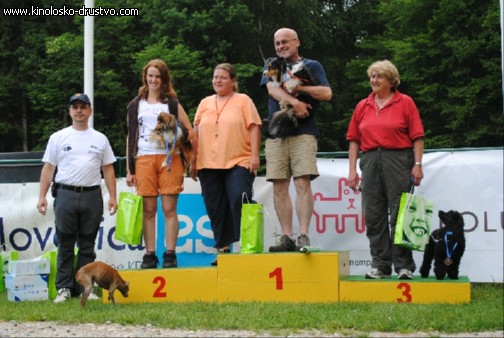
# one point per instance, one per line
(277, 273)
(406, 288)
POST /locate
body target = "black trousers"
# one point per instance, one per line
(78, 217)
(386, 174)
(222, 191)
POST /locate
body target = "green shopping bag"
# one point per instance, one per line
(5, 257)
(52, 257)
(413, 221)
(129, 218)
(252, 227)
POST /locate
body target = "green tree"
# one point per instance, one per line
(447, 52)
(22, 48)
(448, 55)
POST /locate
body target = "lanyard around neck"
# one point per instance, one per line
(448, 252)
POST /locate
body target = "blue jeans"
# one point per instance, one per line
(222, 191)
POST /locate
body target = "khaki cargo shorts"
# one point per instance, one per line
(291, 156)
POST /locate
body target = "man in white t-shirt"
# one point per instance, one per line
(80, 154)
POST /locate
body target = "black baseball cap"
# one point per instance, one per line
(79, 97)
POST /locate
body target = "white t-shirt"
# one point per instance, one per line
(79, 155)
(147, 120)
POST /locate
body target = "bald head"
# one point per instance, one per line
(286, 32)
(287, 44)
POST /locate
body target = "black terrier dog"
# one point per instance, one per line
(446, 246)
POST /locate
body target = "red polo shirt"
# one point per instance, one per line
(395, 126)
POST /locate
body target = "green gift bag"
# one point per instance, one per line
(52, 257)
(5, 257)
(129, 218)
(413, 221)
(252, 227)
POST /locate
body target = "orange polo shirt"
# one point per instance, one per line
(224, 137)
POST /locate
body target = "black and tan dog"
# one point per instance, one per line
(105, 276)
(284, 121)
(446, 247)
(173, 136)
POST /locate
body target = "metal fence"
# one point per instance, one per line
(24, 167)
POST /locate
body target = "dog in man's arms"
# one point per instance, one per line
(173, 136)
(284, 121)
(446, 247)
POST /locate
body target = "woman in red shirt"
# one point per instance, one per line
(387, 128)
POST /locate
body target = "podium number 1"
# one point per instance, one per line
(277, 273)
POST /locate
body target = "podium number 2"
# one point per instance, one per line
(406, 288)
(159, 293)
(277, 273)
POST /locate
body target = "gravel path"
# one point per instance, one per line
(53, 329)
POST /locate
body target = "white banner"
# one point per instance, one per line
(470, 182)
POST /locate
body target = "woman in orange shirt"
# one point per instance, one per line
(226, 144)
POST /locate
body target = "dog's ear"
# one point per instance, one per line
(269, 62)
(459, 220)
(281, 64)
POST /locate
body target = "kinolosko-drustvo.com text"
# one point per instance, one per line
(64, 11)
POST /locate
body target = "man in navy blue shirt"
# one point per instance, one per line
(294, 155)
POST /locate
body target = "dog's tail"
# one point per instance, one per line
(283, 123)
(186, 146)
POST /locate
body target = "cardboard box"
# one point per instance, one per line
(13, 282)
(29, 267)
(27, 294)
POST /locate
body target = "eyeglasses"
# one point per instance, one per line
(283, 42)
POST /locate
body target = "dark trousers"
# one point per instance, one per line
(386, 174)
(78, 217)
(222, 191)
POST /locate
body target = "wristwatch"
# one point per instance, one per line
(418, 164)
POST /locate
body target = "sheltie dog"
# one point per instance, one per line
(173, 136)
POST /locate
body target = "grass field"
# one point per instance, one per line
(483, 313)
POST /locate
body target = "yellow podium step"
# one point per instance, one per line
(281, 277)
(168, 285)
(393, 290)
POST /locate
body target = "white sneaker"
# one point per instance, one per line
(376, 274)
(63, 295)
(93, 296)
(405, 274)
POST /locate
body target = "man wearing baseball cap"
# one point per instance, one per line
(80, 97)
(80, 153)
